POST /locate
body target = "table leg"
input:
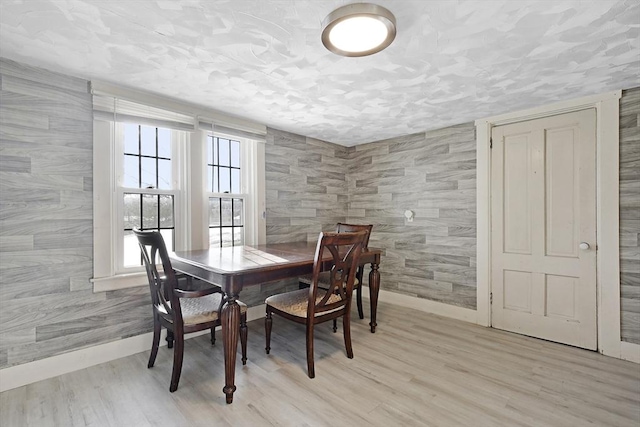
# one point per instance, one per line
(374, 289)
(230, 320)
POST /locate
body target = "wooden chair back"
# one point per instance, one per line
(162, 286)
(350, 228)
(345, 249)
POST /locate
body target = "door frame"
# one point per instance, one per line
(607, 107)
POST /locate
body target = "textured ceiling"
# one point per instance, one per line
(451, 62)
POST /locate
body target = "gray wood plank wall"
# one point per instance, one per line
(306, 185)
(432, 174)
(311, 185)
(630, 215)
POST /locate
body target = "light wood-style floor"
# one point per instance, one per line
(416, 370)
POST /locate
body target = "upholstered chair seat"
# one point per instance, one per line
(201, 310)
(296, 303)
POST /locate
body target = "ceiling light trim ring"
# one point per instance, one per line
(368, 10)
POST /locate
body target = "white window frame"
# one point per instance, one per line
(190, 199)
(178, 141)
(247, 170)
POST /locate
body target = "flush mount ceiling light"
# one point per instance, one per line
(358, 29)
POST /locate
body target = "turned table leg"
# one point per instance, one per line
(374, 289)
(230, 321)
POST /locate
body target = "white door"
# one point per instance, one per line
(543, 215)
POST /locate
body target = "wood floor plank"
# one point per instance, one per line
(416, 370)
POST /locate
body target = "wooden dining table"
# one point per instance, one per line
(233, 268)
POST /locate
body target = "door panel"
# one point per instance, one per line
(543, 207)
(561, 197)
(517, 291)
(517, 224)
(561, 296)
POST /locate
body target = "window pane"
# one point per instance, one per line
(235, 154)
(224, 152)
(226, 212)
(131, 211)
(216, 185)
(214, 237)
(238, 212)
(215, 151)
(131, 252)
(149, 211)
(166, 212)
(148, 173)
(167, 235)
(210, 178)
(148, 140)
(130, 178)
(164, 174)
(131, 138)
(225, 184)
(214, 212)
(227, 236)
(235, 180)
(164, 143)
(238, 236)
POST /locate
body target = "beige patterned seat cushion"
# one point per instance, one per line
(202, 309)
(323, 280)
(295, 303)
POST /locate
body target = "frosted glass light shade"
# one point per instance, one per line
(358, 29)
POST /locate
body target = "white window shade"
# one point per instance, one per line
(120, 110)
(117, 103)
(218, 128)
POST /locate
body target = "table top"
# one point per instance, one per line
(235, 267)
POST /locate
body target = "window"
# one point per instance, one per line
(146, 184)
(226, 213)
(158, 169)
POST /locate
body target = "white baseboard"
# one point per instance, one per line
(27, 373)
(429, 306)
(630, 351)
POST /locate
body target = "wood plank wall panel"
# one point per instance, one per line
(306, 185)
(434, 175)
(46, 223)
(630, 215)
(311, 185)
(46, 219)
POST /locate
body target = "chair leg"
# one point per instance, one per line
(178, 353)
(156, 342)
(268, 322)
(169, 339)
(346, 326)
(335, 325)
(310, 366)
(213, 336)
(243, 337)
(359, 300)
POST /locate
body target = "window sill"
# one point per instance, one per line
(120, 281)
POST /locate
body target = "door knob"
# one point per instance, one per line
(584, 246)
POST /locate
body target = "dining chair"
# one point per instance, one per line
(180, 311)
(315, 305)
(305, 281)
